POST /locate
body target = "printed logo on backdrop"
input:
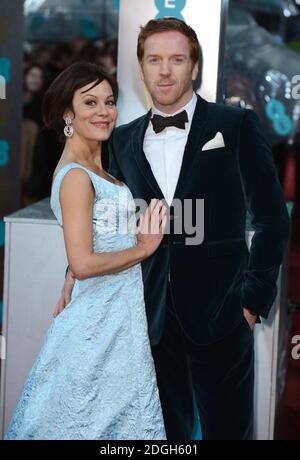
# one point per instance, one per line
(5, 68)
(282, 123)
(165, 7)
(88, 28)
(170, 8)
(2, 233)
(4, 152)
(116, 5)
(87, 2)
(4, 75)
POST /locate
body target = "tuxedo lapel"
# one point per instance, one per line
(195, 140)
(137, 143)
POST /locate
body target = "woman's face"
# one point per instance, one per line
(34, 79)
(95, 112)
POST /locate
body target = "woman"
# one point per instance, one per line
(94, 377)
(33, 83)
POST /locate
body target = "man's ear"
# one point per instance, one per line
(195, 71)
(141, 71)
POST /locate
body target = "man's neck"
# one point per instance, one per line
(189, 107)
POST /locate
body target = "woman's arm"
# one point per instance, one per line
(77, 199)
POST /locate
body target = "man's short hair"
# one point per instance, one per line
(165, 25)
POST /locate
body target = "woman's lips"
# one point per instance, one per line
(101, 125)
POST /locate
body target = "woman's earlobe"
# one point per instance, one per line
(68, 114)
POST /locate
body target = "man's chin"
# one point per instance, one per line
(166, 99)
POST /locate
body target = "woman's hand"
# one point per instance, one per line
(66, 292)
(250, 318)
(152, 226)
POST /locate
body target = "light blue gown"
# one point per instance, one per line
(94, 377)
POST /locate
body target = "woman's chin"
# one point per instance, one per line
(101, 137)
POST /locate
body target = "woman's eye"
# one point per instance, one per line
(90, 103)
(111, 103)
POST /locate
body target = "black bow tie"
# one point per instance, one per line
(160, 123)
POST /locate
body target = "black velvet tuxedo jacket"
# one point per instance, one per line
(213, 281)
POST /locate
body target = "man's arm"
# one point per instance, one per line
(269, 217)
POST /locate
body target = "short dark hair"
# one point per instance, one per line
(59, 96)
(155, 26)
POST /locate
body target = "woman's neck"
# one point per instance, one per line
(85, 153)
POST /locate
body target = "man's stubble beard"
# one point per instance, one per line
(170, 100)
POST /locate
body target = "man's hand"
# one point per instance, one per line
(250, 318)
(66, 292)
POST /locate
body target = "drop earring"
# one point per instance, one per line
(68, 129)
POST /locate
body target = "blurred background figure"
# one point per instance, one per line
(41, 55)
(32, 118)
(60, 58)
(33, 81)
(108, 58)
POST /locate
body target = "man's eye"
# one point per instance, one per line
(153, 61)
(178, 60)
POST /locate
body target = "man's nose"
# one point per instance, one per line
(165, 68)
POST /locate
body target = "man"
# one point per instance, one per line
(203, 299)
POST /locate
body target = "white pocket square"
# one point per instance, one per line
(214, 143)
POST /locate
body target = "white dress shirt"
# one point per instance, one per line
(164, 151)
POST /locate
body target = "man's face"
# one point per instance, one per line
(168, 70)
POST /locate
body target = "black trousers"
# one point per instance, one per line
(221, 376)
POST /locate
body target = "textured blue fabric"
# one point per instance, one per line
(94, 377)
